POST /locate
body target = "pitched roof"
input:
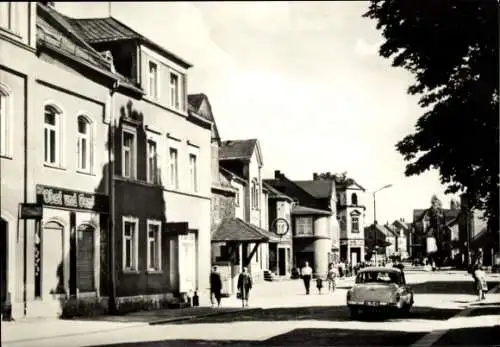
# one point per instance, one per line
(380, 228)
(236, 229)
(318, 189)
(273, 193)
(391, 230)
(449, 214)
(109, 29)
(401, 224)
(237, 149)
(303, 210)
(54, 30)
(194, 103)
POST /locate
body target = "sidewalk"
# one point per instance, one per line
(284, 293)
(476, 325)
(39, 328)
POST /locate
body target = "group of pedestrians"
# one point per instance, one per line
(244, 286)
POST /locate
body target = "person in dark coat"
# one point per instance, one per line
(215, 287)
(244, 286)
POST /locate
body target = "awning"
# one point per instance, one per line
(236, 229)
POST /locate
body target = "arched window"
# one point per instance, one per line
(84, 144)
(354, 199)
(52, 135)
(5, 121)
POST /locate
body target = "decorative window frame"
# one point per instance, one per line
(153, 135)
(6, 122)
(131, 130)
(148, 79)
(135, 237)
(310, 222)
(158, 246)
(91, 143)
(60, 126)
(194, 183)
(173, 143)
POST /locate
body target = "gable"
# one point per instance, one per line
(355, 186)
(258, 153)
(355, 213)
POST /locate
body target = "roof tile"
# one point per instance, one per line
(319, 189)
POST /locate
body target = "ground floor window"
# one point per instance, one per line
(130, 246)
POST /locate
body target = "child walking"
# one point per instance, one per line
(319, 284)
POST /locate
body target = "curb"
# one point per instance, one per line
(435, 335)
(213, 314)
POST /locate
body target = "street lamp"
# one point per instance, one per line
(375, 217)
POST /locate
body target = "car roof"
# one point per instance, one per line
(380, 269)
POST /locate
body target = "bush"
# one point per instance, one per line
(82, 308)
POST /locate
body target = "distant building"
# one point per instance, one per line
(403, 231)
(314, 222)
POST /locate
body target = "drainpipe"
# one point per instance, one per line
(25, 199)
(112, 307)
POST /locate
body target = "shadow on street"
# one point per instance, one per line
(322, 313)
(448, 287)
(341, 337)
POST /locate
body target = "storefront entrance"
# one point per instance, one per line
(187, 263)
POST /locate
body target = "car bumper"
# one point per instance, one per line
(380, 304)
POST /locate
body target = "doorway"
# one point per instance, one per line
(85, 259)
(52, 261)
(282, 261)
(187, 263)
(355, 256)
(3, 261)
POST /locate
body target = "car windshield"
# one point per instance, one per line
(378, 277)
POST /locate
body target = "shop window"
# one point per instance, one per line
(304, 226)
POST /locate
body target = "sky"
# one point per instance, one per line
(305, 78)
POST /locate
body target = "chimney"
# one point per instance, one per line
(402, 220)
(277, 174)
(315, 176)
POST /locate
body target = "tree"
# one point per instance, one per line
(451, 47)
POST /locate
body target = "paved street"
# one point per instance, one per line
(288, 317)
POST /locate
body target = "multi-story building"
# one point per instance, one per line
(314, 222)
(392, 238)
(351, 215)
(54, 159)
(161, 168)
(280, 222)
(242, 162)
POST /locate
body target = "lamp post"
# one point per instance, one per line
(375, 217)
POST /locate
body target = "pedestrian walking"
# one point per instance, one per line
(215, 287)
(332, 273)
(244, 286)
(319, 284)
(306, 273)
(480, 282)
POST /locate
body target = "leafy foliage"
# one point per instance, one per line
(451, 47)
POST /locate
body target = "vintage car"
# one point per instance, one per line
(377, 288)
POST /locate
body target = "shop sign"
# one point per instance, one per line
(65, 198)
(356, 243)
(31, 211)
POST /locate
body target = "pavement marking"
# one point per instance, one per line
(431, 338)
